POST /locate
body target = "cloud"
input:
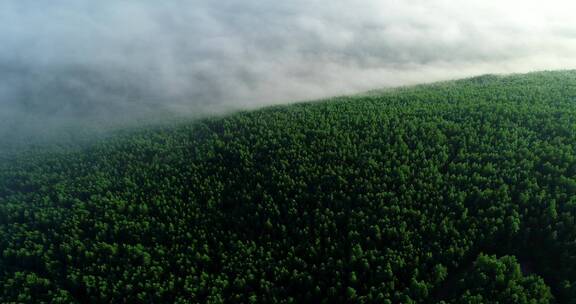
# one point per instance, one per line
(66, 63)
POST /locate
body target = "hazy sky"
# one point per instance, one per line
(65, 61)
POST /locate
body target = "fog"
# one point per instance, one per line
(84, 65)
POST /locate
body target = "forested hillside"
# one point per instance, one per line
(455, 192)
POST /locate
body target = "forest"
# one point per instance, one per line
(453, 192)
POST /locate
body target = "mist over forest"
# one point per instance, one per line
(69, 66)
(299, 151)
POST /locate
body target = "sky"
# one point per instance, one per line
(79, 64)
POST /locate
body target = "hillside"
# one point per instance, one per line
(454, 192)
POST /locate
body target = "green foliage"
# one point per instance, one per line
(388, 197)
(500, 280)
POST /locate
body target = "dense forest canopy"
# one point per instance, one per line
(455, 192)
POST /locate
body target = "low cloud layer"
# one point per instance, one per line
(71, 63)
